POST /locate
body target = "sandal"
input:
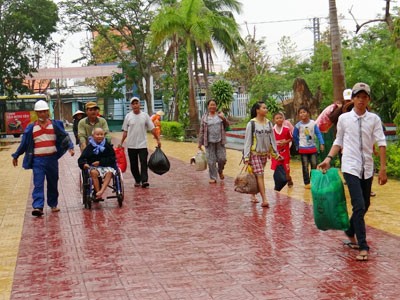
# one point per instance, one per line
(265, 204)
(351, 245)
(362, 256)
(254, 199)
(221, 176)
(212, 181)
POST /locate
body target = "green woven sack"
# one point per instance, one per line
(329, 201)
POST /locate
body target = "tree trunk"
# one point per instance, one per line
(339, 82)
(148, 94)
(193, 112)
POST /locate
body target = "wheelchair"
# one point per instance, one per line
(89, 194)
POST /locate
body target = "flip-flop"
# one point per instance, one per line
(351, 245)
(265, 204)
(362, 257)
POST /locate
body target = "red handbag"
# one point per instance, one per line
(121, 158)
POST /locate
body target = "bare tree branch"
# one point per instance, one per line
(387, 19)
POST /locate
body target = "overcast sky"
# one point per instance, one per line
(273, 19)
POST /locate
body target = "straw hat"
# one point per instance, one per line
(160, 113)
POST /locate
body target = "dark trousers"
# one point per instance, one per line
(136, 156)
(307, 159)
(360, 193)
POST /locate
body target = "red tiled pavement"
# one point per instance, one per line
(186, 239)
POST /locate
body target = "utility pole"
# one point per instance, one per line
(316, 32)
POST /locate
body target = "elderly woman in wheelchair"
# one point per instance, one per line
(98, 160)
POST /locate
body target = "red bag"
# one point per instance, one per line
(121, 158)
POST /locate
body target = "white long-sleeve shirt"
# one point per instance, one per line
(358, 144)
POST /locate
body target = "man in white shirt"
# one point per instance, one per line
(135, 127)
(357, 132)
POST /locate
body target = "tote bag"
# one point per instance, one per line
(246, 182)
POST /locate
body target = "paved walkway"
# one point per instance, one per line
(186, 239)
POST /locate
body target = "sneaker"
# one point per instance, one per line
(37, 212)
(55, 209)
(307, 186)
(145, 185)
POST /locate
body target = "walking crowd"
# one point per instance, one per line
(356, 130)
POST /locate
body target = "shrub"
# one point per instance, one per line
(172, 130)
(392, 160)
(222, 92)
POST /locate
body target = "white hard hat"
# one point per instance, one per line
(41, 105)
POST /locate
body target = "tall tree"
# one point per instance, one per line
(338, 77)
(250, 60)
(192, 23)
(225, 34)
(130, 22)
(24, 26)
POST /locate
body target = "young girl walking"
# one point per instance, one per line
(259, 145)
(283, 137)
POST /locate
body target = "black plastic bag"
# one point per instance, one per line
(158, 162)
(280, 177)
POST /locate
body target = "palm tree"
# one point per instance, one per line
(226, 35)
(192, 23)
(338, 77)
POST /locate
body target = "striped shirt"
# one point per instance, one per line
(44, 138)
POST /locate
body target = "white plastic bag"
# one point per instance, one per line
(200, 161)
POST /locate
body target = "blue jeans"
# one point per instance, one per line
(307, 159)
(136, 156)
(45, 167)
(360, 193)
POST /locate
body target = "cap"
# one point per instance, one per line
(135, 99)
(160, 113)
(360, 87)
(91, 105)
(347, 94)
(78, 112)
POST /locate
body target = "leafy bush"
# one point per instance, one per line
(222, 92)
(392, 160)
(172, 130)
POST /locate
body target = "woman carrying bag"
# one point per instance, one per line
(259, 145)
(213, 137)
